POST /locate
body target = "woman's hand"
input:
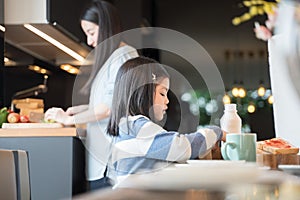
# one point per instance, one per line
(78, 114)
(59, 115)
(266, 32)
(262, 32)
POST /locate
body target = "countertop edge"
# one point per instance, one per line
(39, 132)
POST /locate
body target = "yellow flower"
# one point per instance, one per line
(256, 7)
(236, 21)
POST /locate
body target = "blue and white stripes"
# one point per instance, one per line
(143, 146)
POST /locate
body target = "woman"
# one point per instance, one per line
(140, 144)
(99, 22)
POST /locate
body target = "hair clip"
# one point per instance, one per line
(153, 77)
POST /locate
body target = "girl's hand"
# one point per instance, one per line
(224, 136)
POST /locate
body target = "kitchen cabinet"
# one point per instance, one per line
(56, 160)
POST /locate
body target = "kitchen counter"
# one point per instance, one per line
(56, 160)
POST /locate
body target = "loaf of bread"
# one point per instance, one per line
(277, 146)
(29, 105)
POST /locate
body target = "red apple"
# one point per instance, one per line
(13, 117)
(24, 119)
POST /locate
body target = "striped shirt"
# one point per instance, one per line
(143, 146)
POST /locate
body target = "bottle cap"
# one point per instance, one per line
(230, 107)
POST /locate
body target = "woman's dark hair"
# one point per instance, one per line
(106, 16)
(134, 90)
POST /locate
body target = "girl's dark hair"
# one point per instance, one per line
(134, 90)
(106, 16)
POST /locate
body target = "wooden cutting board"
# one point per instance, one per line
(273, 160)
(31, 125)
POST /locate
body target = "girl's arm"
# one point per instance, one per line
(172, 146)
(152, 141)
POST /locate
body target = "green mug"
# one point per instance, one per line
(239, 146)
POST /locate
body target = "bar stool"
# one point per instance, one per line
(14, 173)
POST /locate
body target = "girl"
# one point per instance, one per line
(140, 145)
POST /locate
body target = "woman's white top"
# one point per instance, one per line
(97, 141)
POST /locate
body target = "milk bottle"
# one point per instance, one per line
(231, 121)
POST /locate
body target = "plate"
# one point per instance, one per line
(215, 162)
(208, 174)
(208, 163)
(291, 169)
